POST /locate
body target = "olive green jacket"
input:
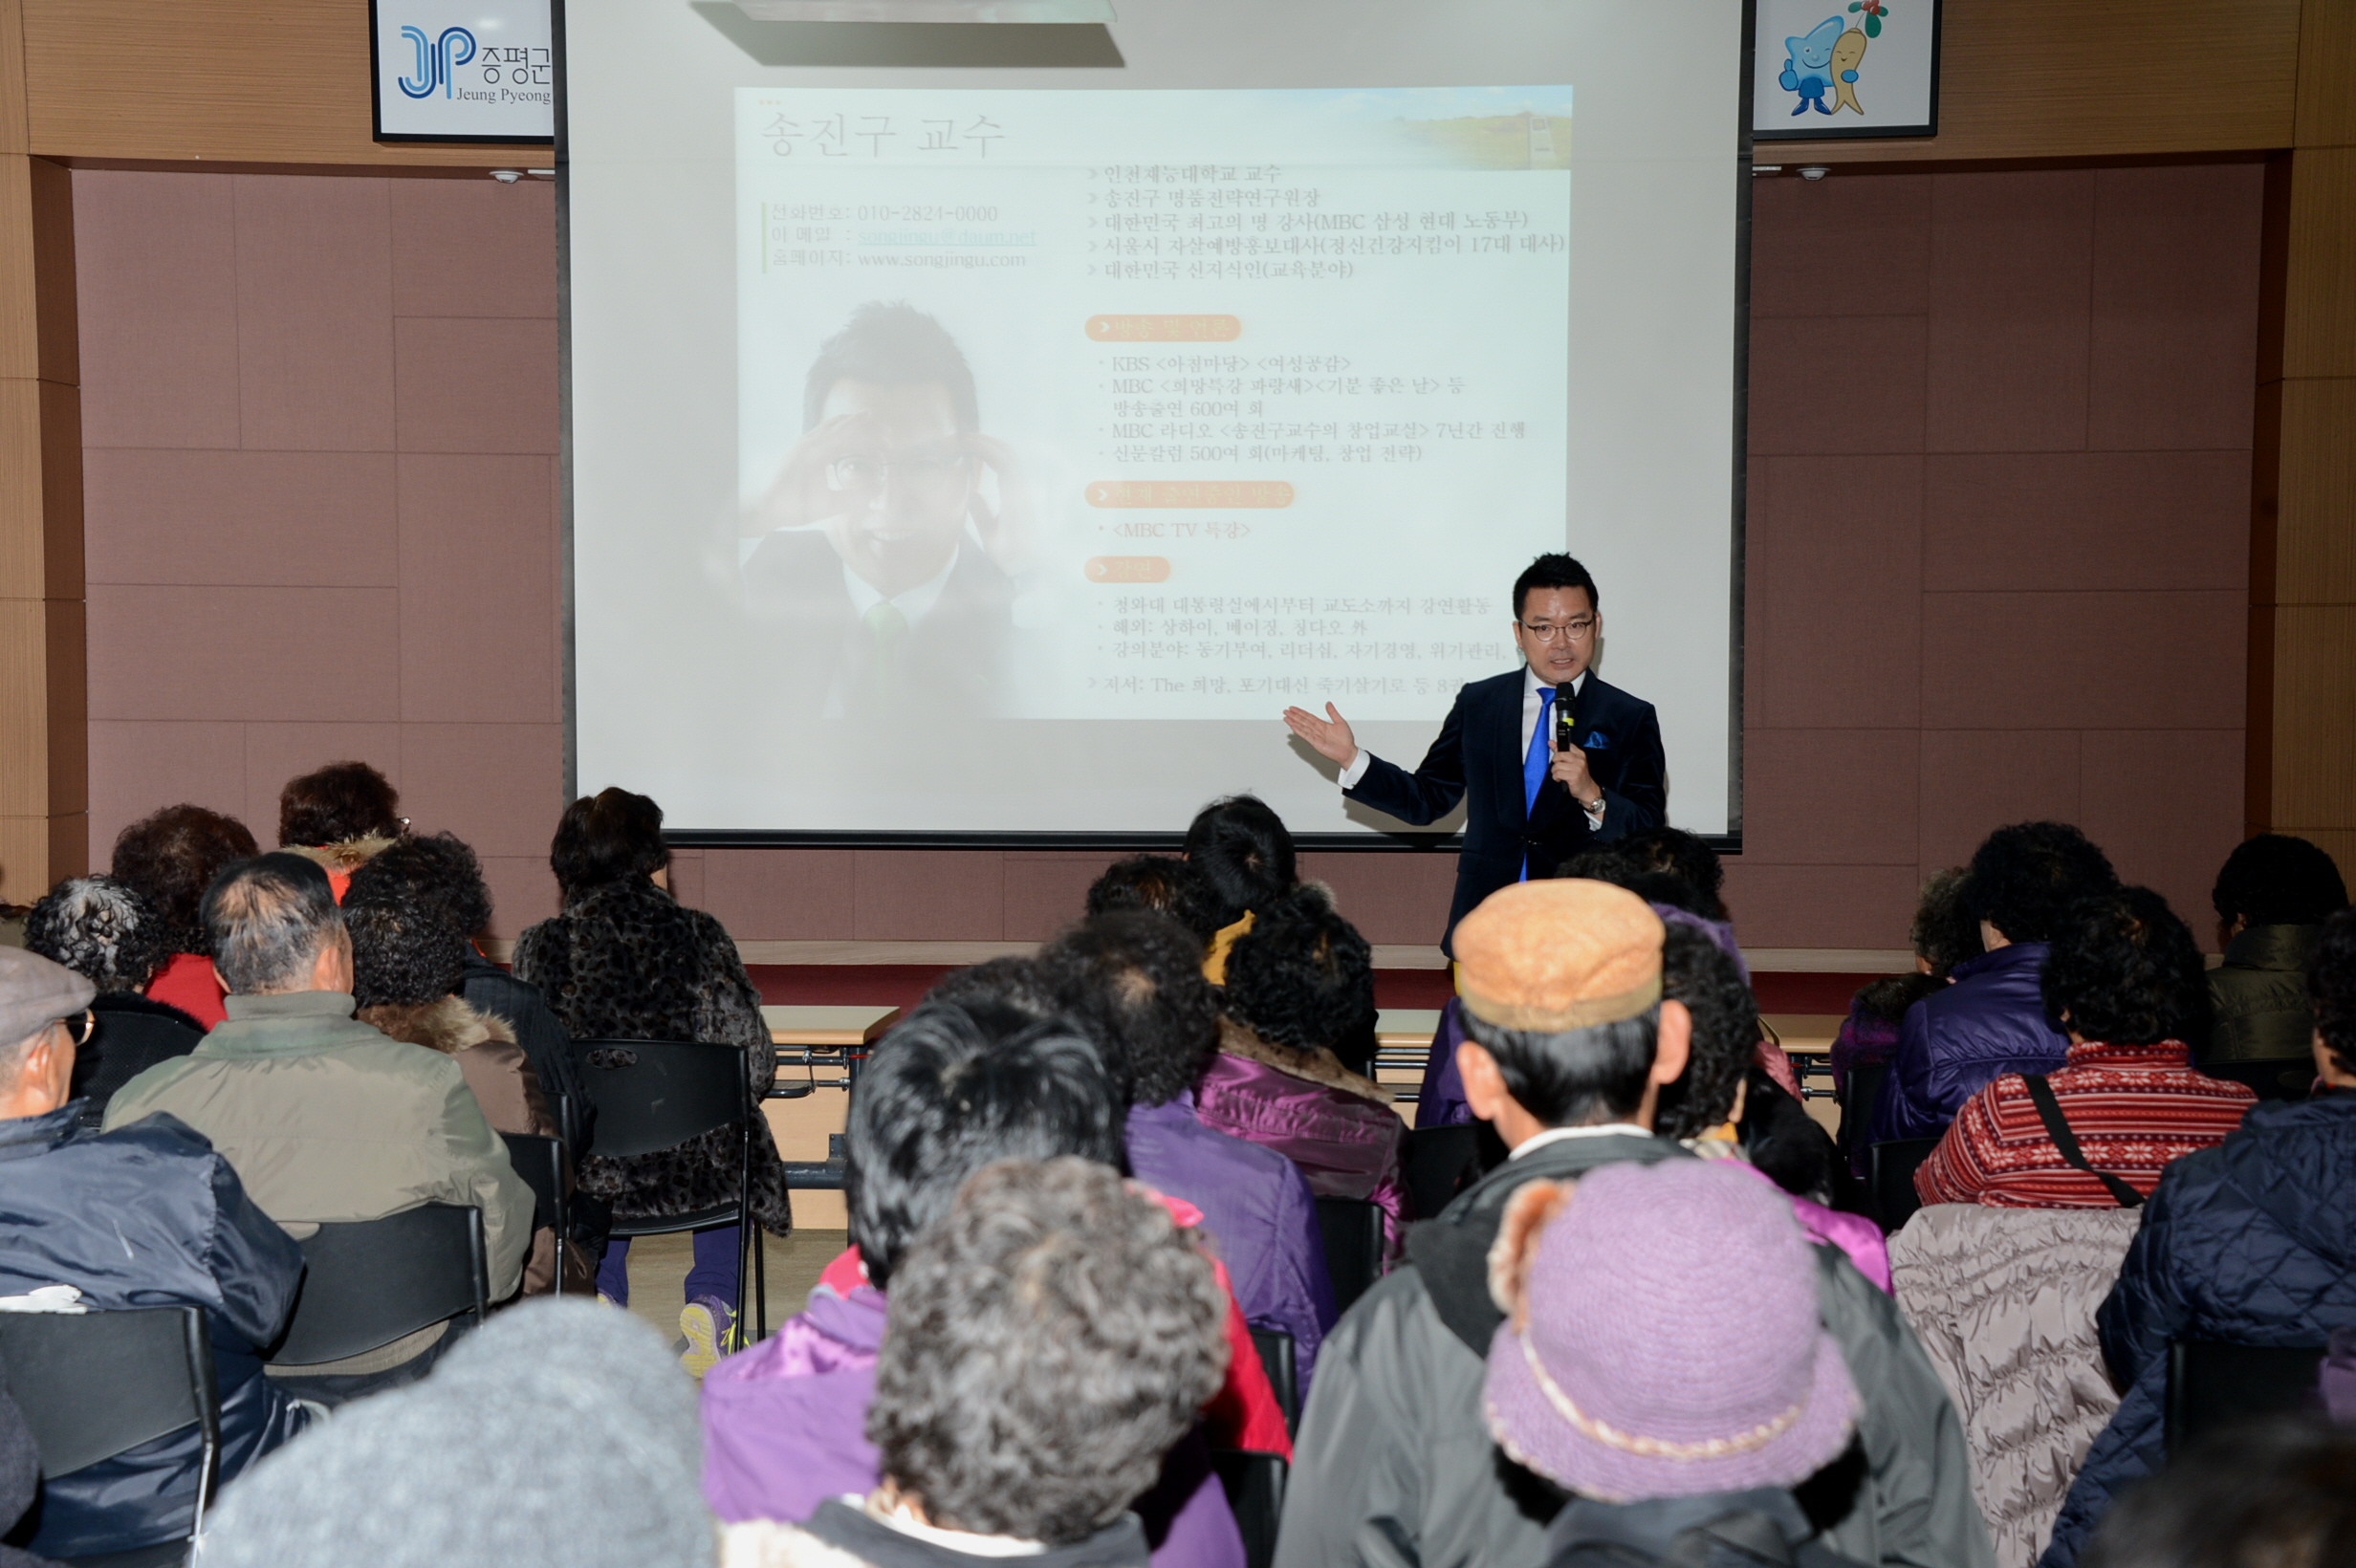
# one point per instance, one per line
(326, 1119)
(2258, 997)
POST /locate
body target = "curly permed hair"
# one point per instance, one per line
(1134, 980)
(1049, 1340)
(2278, 880)
(341, 801)
(1698, 972)
(102, 928)
(172, 857)
(2025, 876)
(2331, 981)
(1175, 887)
(1302, 976)
(2124, 971)
(403, 911)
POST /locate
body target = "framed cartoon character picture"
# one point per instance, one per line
(1845, 67)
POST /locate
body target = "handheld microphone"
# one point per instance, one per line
(1566, 725)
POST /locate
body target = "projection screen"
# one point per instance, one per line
(989, 430)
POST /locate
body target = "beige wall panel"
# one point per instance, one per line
(2098, 79)
(24, 859)
(240, 81)
(12, 77)
(22, 563)
(2314, 715)
(2327, 73)
(20, 293)
(2319, 280)
(23, 707)
(2315, 519)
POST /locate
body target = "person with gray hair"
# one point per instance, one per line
(108, 932)
(561, 1437)
(148, 1215)
(325, 1117)
(1051, 1338)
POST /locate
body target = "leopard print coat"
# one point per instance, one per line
(625, 962)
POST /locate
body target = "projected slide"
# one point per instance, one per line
(1146, 404)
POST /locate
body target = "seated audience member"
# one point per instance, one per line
(2272, 898)
(324, 1118)
(1673, 852)
(1161, 883)
(1992, 1020)
(1570, 1046)
(407, 959)
(2253, 1241)
(1245, 854)
(1134, 982)
(945, 1095)
(108, 933)
(1680, 1428)
(2125, 979)
(1299, 997)
(171, 857)
(339, 817)
(560, 1436)
(2278, 1494)
(625, 961)
(1715, 1107)
(1944, 935)
(1052, 1338)
(143, 1216)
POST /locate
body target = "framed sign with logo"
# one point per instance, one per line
(1825, 69)
(462, 70)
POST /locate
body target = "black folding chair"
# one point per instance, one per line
(2288, 1078)
(654, 1095)
(94, 1384)
(369, 1282)
(1353, 1232)
(1889, 1168)
(1859, 1090)
(2211, 1384)
(1279, 1359)
(1438, 1162)
(540, 1162)
(1255, 1488)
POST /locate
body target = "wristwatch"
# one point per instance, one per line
(1596, 810)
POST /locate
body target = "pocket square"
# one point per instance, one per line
(1596, 741)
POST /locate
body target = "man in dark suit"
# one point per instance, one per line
(877, 575)
(1532, 805)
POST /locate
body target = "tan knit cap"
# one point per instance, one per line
(1553, 956)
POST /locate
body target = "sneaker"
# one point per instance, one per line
(706, 1322)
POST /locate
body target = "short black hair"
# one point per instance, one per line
(2024, 876)
(2124, 971)
(1134, 980)
(1622, 866)
(266, 918)
(1781, 1139)
(1175, 887)
(1581, 1074)
(1705, 978)
(1008, 994)
(341, 801)
(2278, 880)
(2279, 1492)
(172, 856)
(2331, 985)
(608, 837)
(1676, 852)
(1051, 1338)
(1304, 977)
(891, 345)
(103, 930)
(409, 940)
(1244, 852)
(943, 1095)
(1553, 570)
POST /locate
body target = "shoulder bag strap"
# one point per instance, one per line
(2057, 1127)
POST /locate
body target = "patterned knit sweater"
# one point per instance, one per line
(2134, 1108)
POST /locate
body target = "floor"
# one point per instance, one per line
(659, 1270)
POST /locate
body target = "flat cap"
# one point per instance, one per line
(1554, 956)
(35, 993)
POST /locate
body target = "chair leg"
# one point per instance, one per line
(760, 1285)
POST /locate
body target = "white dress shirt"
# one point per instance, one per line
(1533, 703)
(1562, 1135)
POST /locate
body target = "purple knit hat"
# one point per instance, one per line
(1664, 1339)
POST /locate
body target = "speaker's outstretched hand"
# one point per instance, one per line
(1330, 737)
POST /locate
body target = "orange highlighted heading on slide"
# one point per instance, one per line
(1129, 569)
(1190, 493)
(1165, 329)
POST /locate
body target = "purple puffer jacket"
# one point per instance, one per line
(1257, 1212)
(784, 1430)
(1991, 1021)
(1440, 1103)
(1337, 1127)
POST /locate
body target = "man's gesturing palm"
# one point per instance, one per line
(1329, 738)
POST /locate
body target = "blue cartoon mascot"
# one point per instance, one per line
(1808, 69)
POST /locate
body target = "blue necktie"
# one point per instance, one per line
(1534, 766)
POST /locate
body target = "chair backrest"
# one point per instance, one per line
(1254, 1487)
(540, 1163)
(1890, 1169)
(1353, 1233)
(368, 1282)
(94, 1384)
(2287, 1078)
(657, 1094)
(1859, 1090)
(2211, 1384)
(1279, 1359)
(1438, 1162)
